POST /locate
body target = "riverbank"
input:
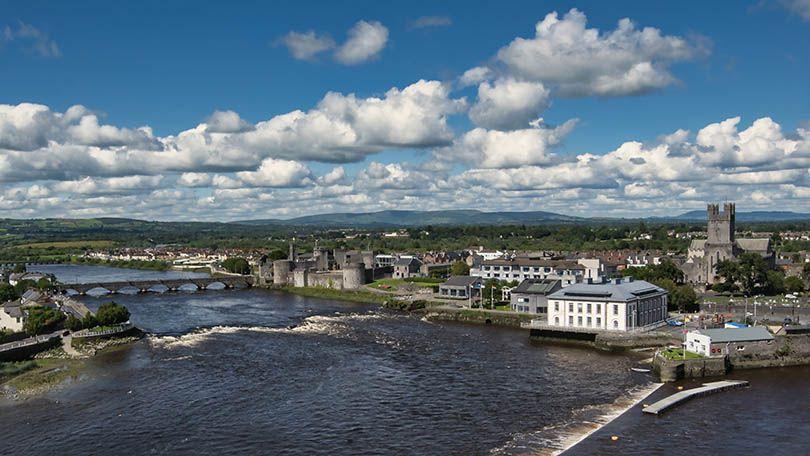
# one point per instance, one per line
(363, 297)
(54, 368)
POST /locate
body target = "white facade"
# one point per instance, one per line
(616, 306)
(506, 270)
(10, 323)
(698, 343)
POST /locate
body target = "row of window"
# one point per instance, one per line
(589, 308)
(585, 322)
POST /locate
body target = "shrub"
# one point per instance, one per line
(74, 324)
(111, 313)
(42, 320)
(89, 321)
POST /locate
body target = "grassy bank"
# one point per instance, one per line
(365, 297)
(39, 375)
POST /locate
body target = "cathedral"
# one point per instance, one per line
(720, 244)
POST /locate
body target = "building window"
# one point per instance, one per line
(557, 321)
(579, 321)
(615, 324)
(615, 309)
(579, 307)
(570, 307)
(599, 308)
(556, 307)
(598, 322)
(589, 322)
(589, 307)
(570, 320)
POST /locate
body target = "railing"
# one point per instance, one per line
(28, 342)
(114, 330)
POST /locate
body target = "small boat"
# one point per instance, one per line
(638, 369)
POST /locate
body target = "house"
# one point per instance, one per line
(519, 269)
(382, 260)
(11, 316)
(726, 341)
(406, 267)
(17, 277)
(462, 287)
(532, 295)
(615, 305)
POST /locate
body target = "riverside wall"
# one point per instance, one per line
(783, 351)
(607, 341)
(480, 317)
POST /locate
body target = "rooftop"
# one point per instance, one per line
(538, 286)
(751, 334)
(624, 290)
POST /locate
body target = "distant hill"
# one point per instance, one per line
(419, 218)
(753, 216)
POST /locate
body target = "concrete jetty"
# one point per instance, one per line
(683, 396)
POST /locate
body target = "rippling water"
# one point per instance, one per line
(262, 372)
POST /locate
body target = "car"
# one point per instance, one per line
(673, 322)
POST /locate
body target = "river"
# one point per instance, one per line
(263, 372)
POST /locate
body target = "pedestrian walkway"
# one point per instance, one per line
(685, 395)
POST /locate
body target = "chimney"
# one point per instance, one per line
(617, 281)
(629, 278)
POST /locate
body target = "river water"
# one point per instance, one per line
(262, 372)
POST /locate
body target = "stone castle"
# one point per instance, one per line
(720, 244)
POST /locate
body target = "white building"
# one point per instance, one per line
(725, 341)
(11, 317)
(520, 269)
(617, 305)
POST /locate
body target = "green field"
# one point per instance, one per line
(678, 353)
(395, 284)
(99, 244)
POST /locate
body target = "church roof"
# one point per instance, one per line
(754, 245)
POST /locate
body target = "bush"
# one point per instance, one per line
(111, 313)
(42, 320)
(236, 265)
(89, 321)
(794, 284)
(74, 324)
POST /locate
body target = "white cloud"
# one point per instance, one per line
(475, 76)
(506, 149)
(760, 144)
(226, 122)
(508, 104)
(307, 45)
(365, 41)
(580, 61)
(194, 180)
(277, 173)
(31, 39)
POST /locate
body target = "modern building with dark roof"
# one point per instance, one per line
(615, 305)
(532, 295)
(519, 269)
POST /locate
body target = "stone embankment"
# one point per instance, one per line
(786, 350)
(476, 316)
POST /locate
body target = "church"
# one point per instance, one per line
(720, 245)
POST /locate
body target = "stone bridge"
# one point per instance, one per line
(144, 286)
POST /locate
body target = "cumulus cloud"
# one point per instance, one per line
(475, 76)
(365, 41)
(506, 149)
(760, 144)
(307, 45)
(581, 61)
(277, 173)
(31, 39)
(37, 143)
(508, 104)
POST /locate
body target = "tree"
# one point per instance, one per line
(19, 267)
(806, 271)
(236, 265)
(775, 283)
(794, 284)
(72, 323)
(684, 299)
(460, 268)
(8, 293)
(111, 313)
(89, 321)
(277, 255)
(41, 320)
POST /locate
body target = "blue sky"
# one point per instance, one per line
(170, 65)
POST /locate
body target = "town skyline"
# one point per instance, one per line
(648, 114)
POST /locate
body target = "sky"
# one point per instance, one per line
(240, 110)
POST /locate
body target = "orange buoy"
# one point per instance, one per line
(614, 437)
(680, 387)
